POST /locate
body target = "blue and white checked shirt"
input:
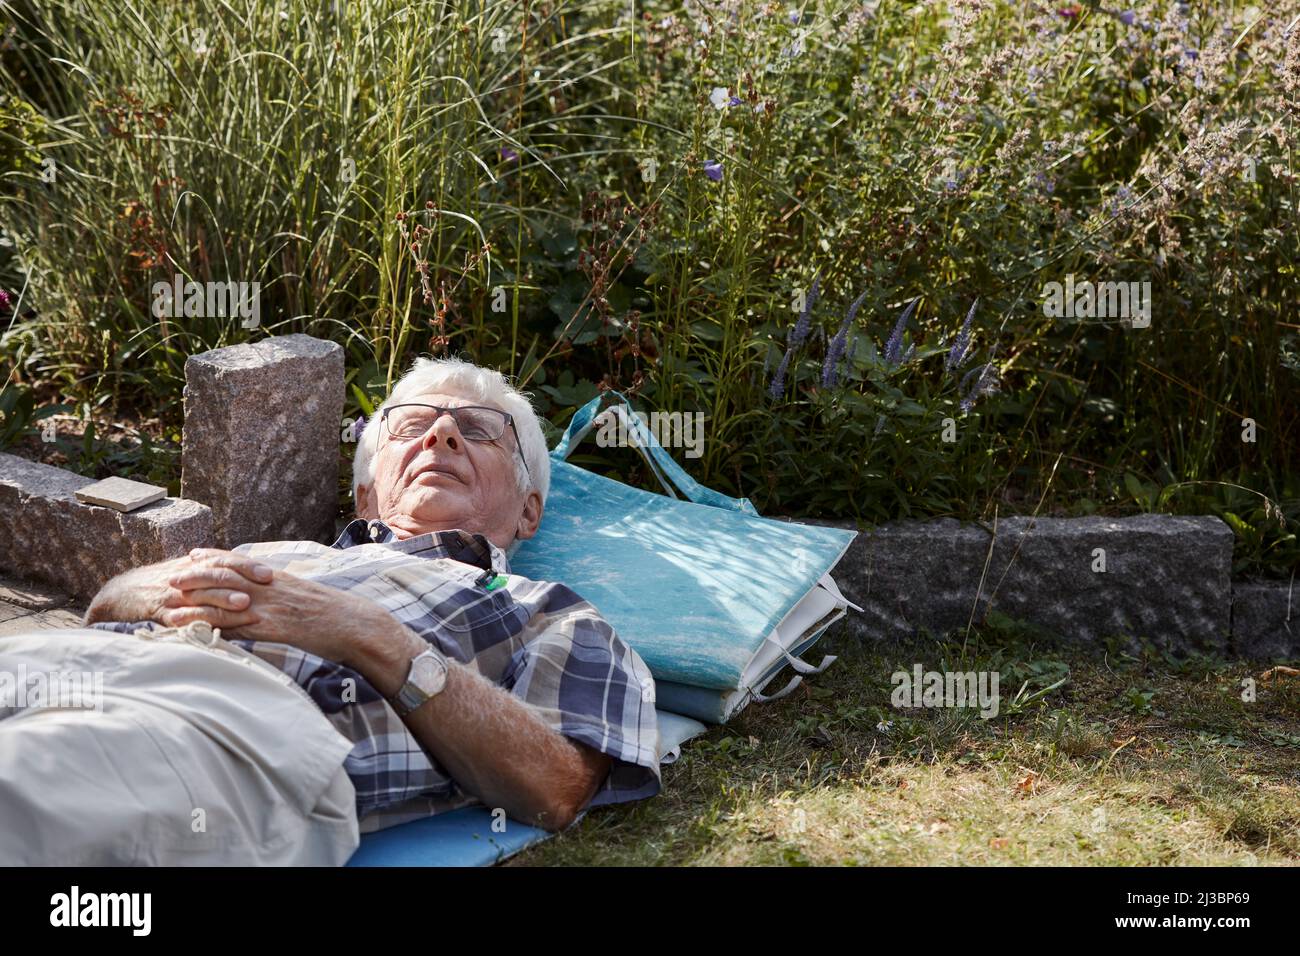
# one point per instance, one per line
(537, 639)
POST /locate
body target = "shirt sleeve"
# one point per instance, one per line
(590, 686)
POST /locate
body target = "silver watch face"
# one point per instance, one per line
(428, 673)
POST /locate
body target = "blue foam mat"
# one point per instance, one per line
(465, 837)
(460, 838)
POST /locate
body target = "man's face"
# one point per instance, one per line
(442, 480)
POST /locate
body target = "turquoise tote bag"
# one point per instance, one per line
(715, 598)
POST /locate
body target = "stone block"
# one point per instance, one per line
(121, 494)
(261, 438)
(1266, 620)
(46, 533)
(1166, 579)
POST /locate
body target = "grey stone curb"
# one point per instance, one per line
(1166, 580)
(47, 534)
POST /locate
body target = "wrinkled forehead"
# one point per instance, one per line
(445, 399)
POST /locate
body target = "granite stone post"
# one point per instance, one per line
(261, 438)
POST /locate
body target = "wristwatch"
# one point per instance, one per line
(427, 676)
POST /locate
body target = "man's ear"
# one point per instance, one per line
(531, 517)
(365, 503)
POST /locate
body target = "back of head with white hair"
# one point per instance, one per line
(482, 386)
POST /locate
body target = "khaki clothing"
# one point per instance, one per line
(178, 748)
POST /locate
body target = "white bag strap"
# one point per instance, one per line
(784, 691)
(801, 668)
(620, 412)
(581, 423)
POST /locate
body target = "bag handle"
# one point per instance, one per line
(783, 692)
(661, 463)
(802, 669)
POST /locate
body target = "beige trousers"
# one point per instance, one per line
(171, 748)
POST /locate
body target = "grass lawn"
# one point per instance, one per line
(1139, 760)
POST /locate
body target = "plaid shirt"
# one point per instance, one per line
(537, 639)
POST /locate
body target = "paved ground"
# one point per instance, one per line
(25, 605)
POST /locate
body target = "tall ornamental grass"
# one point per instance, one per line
(829, 227)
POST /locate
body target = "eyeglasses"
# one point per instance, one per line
(474, 422)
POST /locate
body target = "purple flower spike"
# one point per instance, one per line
(853, 309)
(833, 355)
(800, 330)
(777, 385)
(957, 354)
(986, 382)
(830, 376)
(713, 169)
(894, 347)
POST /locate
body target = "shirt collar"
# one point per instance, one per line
(457, 544)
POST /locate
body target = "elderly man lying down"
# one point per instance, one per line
(400, 672)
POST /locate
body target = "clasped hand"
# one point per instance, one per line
(248, 599)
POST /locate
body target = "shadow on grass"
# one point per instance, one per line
(1130, 759)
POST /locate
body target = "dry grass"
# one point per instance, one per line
(1133, 761)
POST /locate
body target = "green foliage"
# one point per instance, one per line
(18, 412)
(527, 186)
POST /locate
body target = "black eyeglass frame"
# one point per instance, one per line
(440, 409)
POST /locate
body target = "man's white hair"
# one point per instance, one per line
(481, 386)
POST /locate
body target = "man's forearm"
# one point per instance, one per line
(491, 742)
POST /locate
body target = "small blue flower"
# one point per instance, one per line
(1128, 18)
(713, 169)
(830, 377)
(986, 382)
(853, 309)
(734, 101)
(957, 354)
(800, 330)
(894, 347)
(508, 154)
(777, 386)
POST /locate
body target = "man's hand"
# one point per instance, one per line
(207, 584)
(248, 600)
(317, 618)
